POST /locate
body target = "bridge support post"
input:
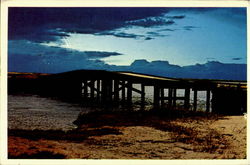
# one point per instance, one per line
(142, 96)
(92, 86)
(187, 98)
(123, 91)
(170, 99)
(162, 97)
(106, 92)
(85, 90)
(116, 91)
(98, 83)
(129, 93)
(156, 97)
(174, 98)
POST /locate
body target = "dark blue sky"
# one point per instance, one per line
(42, 39)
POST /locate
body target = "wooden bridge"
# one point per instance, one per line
(116, 88)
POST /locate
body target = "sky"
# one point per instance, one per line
(42, 39)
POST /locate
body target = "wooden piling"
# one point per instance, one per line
(174, 98)
(187, 98)
(162, 97)
(85, 90)
(98, 83)
(170, 97)
(109, 90)
(156, 97)
(123, 92)
(103, 91)
(106, 91)
(142, 96)
(92, 89)
(116, 91)
(129, 93)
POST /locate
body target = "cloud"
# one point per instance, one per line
(26, 56)
(100, 54)
(56, 60)
(150, 22)
(80, 30)
(127, 35)
(38, 35)
(35, 24)
(149, 38)
(155, 34)
(120, 34)
(236, 58)
(35, 49)
(170, 30)
(176, 17)
(52, 64)
(189, 28)
(56, 32)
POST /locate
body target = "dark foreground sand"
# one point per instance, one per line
(136, 135)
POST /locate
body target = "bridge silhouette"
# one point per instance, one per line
(107, 88)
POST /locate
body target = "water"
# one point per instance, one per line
(35, 112)
(149, 90)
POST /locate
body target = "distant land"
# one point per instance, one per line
(209, 70)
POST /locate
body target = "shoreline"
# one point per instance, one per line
(47, 113)
(136, 136)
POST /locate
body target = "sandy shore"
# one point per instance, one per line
(136, 136)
